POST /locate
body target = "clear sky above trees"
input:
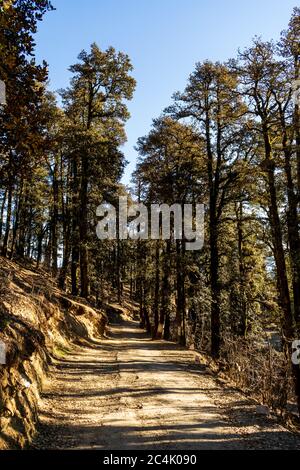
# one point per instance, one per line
(164, 39)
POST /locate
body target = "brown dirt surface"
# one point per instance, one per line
(130, 392)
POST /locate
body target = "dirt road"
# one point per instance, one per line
(129, 392)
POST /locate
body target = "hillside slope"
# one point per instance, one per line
(38, 323)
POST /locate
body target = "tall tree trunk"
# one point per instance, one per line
(141, 302)
(163, 330)
(65, 205)
(54, 219)
(292, 220)
(156, 290)
(282, 279)
(66, 258)
(75, 228)
(180, 287)
(146, 307)
(48, 249)
(131, 282)
(293, 237)
(29, 234)
(215, 290)
(296, 123)
(213, 181)
(2, 212)
(8, 219)
(40, 238)
(83, 230)
(242, 327)
(118, 263)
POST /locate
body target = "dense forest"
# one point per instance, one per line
(229, 140)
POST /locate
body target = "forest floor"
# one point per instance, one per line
(129, 392)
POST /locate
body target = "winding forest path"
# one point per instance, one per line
(129, 392)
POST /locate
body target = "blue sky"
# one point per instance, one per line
(164, 39)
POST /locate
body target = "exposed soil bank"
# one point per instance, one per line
(38, 324)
